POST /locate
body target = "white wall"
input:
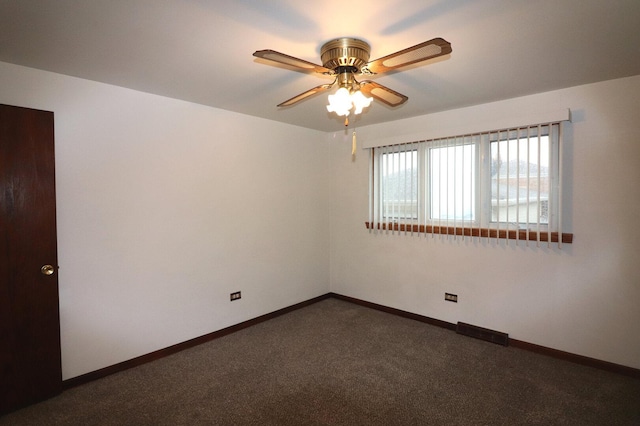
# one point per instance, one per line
(583, 299)
(165, 207)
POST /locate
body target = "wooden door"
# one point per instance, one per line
(30, 368)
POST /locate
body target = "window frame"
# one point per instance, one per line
(428, 176)
(553, 166)
(482, 224)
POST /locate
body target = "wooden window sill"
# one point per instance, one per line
(474, 232)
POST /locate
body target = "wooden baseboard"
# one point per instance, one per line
(405, 314)
(143, 359)
(554, 353)
(577, 359)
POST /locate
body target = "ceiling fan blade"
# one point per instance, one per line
(302, 65)
(420, 52)
(382, 93)
(305, 95)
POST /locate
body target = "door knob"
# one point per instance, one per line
(47, 270)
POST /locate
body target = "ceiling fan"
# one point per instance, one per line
(345, 58)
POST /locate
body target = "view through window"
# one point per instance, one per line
(503, 184)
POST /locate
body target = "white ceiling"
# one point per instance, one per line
(201, 50)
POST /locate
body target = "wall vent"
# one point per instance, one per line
(483, 333)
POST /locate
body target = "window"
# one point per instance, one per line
(503, 184)
(399, 185)
(452, 181)
(520, 178)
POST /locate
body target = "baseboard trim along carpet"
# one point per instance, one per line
(161, 353)
(394, 311)
(103, 372)
(543, 350)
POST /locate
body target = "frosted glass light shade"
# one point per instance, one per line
(342, 102)
(360, 101)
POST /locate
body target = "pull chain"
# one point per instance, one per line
(353, 143)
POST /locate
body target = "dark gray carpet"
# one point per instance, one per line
(336, 363)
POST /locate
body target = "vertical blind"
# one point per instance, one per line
(503, 184)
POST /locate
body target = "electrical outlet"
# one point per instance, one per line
(451, 297)
(235, 296)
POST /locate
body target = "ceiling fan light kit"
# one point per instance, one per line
(345, 58)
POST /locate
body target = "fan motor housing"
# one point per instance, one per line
(345, 52)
